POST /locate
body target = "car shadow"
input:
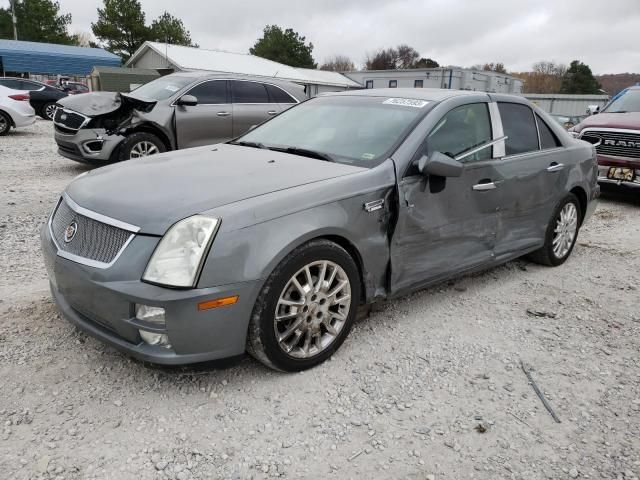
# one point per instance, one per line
(628, 195)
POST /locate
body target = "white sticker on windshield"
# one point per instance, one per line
(172, 88)
(406, 102)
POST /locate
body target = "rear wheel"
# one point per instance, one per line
(48, 110)
(140, 144)
(5, 123)
(306, 308)
(562, 233)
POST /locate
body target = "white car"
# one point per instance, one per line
(15, 110)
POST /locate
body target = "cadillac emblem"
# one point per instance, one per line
(70, 232)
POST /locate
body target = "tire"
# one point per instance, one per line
(551, 254)
(48, 111)
(136, 144)
(314, 318)
(5, 124)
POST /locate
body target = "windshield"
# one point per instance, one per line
(162, 88)
(629, 101)
(355, 130)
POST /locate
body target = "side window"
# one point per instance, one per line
(519, 126)
(393, 83)
(462, 129)
(548, 139)
(418, 83)
(277, 95)
(10, 83)
(26, 85)
(214, 92)
(248, 92)
(369, 84)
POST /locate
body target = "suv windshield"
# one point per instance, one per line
(356, 130)
(161, 88)
(629, 101)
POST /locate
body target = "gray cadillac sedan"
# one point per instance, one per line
(270, 243)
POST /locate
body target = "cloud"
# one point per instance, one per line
(453, 32)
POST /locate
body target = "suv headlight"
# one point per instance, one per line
(178, 258)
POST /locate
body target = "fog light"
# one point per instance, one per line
(154, 315)
(151, 338)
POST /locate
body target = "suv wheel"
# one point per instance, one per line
(141, 144)
(562, 233)
(306, 308)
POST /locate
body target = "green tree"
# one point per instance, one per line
(38, 21)
(120, 27)
(284, 46)
(578, 79)
(426, 63)
(169, 29)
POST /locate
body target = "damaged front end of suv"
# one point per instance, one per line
(104, 127)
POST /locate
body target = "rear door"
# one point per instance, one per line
(251, 105)
(535, 174)
(208, 122)
(448, 225)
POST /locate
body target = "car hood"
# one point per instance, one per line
(100, 103)
(155, 192)
(629, 120)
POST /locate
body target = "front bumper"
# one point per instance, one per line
(89, 145)
(605, 163)
(102, 302)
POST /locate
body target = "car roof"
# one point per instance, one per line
(199, 74)
(430, 94)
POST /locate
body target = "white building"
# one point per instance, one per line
(449, 77)
(166, 57)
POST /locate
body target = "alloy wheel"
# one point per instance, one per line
(50, 111)
(143, 149)
(312, 309)
(565, 230)
(4, 124)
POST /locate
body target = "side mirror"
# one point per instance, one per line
(593, 109)
(440, 164)
(187, 101)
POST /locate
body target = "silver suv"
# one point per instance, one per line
(177, 111)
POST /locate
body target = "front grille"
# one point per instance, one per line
(64, 130)
(69, 119)
(617, 143)
(93, 240)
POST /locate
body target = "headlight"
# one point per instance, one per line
(178, 258)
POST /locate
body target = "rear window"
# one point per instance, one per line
(277, 95)
(519, 126)
(248, 92)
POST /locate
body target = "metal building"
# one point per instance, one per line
(120, 79)
(565, 104)
(166, 57)
(450, 77)
(18, 57)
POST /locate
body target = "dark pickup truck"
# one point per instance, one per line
(615, 132)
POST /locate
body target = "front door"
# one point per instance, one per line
(448, 225)
(251, 105)
(208, 122)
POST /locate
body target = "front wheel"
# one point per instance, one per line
(306, 308)
(140, 144)
(561, 234)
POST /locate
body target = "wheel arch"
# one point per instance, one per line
(579, 192)
(13, 124)
(148, 127)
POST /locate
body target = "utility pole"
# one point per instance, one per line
(13, 18)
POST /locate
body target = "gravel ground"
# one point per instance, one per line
(429, 387)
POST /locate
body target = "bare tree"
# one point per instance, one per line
(406, 56)
(546, 77)
(338, 63)
(402, 57)
(494, 67)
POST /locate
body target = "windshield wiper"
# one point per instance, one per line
(305, 152)
(249, 144)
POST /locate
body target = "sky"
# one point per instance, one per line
(518, 33)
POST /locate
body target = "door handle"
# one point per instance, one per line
(555, 167)
(272, 112)
(483, 187)
(223, 114)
